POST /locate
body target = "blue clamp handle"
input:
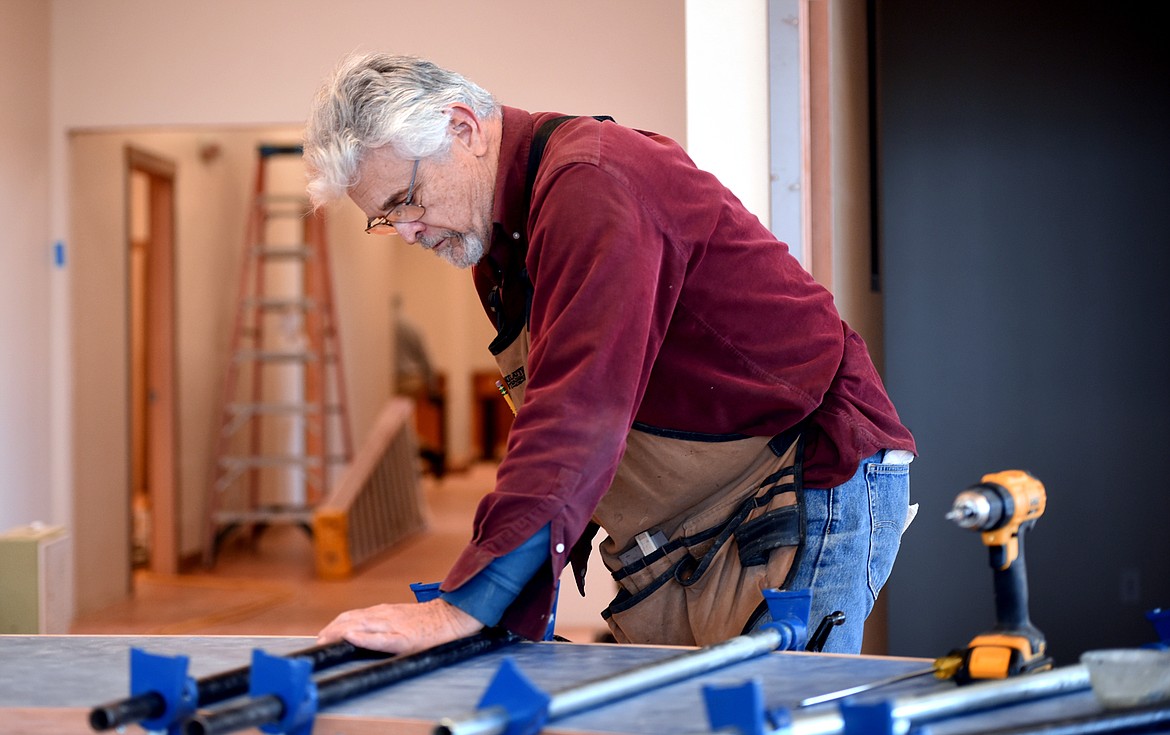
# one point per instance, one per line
(1160, 618)
(525, 703)
(789, 610)
(291, 681)
(424, 591)
(167, 677)
(874, 718)
(741, 706)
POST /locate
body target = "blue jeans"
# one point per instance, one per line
(851, 539)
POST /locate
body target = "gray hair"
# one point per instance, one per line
(375, 100)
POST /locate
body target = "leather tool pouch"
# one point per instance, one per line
(701, 580)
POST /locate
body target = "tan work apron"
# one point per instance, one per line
(697, 528)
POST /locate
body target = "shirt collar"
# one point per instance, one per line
(508, 210)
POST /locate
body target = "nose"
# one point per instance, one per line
(409, 231)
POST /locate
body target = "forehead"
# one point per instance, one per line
(382, 179)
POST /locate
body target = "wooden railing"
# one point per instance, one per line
(378, 500)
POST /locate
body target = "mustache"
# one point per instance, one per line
(431, 241)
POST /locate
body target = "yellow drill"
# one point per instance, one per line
(1002, 506)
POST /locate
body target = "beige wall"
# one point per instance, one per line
(25, 265)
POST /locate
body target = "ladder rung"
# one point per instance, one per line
(283, 408)
(280, 149)
(269, 460)
(228, 517)
(282, 460)
(274, 304)
(276, 356)
(282, 252)
(242, 413)
(282, 199)
(326, 330)
(289, 206)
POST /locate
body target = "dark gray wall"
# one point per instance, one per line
(1024, 220)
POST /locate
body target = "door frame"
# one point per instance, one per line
(159, 335)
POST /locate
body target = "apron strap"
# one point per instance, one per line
(536, 152)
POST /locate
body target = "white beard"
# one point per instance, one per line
(462, 250)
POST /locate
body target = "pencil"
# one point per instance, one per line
(507, 396)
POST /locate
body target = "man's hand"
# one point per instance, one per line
(401, 628)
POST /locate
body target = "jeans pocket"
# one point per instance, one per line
(888, 486)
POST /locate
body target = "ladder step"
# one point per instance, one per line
(283, 206)
(234, 517)
(327, 331)
(268, 460)
(279, 356)
(249, 462)
(294, 251)
(282, 199)
(280, 149)
(275, 304)
(282, 408)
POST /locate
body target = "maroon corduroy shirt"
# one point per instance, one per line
(657, 298)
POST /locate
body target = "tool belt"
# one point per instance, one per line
(698, 527)
(729, 525)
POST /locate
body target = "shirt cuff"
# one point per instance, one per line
(488, 594)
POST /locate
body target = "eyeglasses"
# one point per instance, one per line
(399, 213)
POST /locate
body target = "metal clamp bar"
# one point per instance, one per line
(960, 700)
(339, 687)
(214, 688)
(611, 688)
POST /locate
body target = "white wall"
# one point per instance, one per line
(727, 96)
(25, 265)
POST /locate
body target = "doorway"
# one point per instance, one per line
(150, 187)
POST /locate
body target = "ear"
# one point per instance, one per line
(467, 128)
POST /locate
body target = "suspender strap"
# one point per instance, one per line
(536, 152)
(510, 300)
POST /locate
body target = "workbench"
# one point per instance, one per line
(48, 684)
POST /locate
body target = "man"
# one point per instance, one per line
(680, 380)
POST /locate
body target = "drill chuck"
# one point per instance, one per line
(999, 505)
(978, 510)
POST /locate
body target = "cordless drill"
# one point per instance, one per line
(1002, 506)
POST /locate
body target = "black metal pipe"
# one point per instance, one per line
(331, 690)
(217, 687)
(127, 711)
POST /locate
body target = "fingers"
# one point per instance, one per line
(401, 629)
(381, 641)
(370, 627)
